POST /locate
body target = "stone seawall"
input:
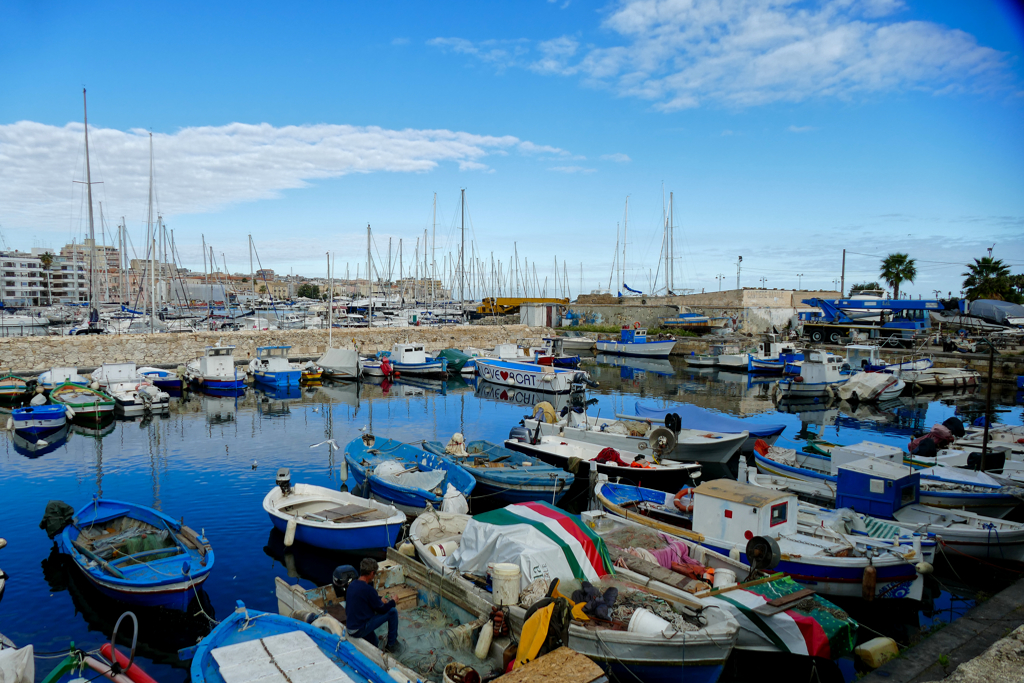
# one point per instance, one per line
(36, 354)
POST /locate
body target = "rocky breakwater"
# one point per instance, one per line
(36, 354)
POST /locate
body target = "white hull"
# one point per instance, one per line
(659, 349)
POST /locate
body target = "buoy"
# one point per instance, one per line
(924, 568)
(407, 549)
(877, 651)
(483, 644)
(868, 583)
(10, 423)
(289, 532)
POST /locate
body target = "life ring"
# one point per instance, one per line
(636, 325)
(680, 504)
(330, 625)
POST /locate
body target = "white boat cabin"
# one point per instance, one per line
(773, 347)
(633, 335)
(734, 512)
(408, 353)
(861, 356)
(821, 367)
(273, 358)
(113, 374)
(218, 361)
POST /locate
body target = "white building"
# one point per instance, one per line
(22, 281)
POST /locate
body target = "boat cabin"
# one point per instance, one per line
(774, 348)
(633, 335)
(864, 357)
(821, 367)
(408, 353)
(842, 455)
(877, 487)
(119, 373)
(217, 361)
(737, 512)
(273, 358)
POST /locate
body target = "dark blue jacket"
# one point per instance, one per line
(361, 603)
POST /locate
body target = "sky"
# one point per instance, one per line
(785, 131)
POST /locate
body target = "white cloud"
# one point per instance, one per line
(572, 169)
(681, 54)
(618, 157)
(801, 129)
(206, 168)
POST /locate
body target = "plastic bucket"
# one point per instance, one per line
(505, 584)
(444, 549)
(647, 622)
(724, 577)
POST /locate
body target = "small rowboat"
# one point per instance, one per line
(250, 645)
(39, 421)
(405, 476)
(136, 554)
(334, 520)
(15, 390)
(505, 474)
(85, 403)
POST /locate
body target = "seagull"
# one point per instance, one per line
(330, 441)
(364, 428)
(254, 464)
(316, 410)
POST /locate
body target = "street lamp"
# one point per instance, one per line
(720, 277)
(763, 280)
(799, 281)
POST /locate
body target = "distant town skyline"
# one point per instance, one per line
(785, 133)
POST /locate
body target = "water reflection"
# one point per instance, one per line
(32, 447)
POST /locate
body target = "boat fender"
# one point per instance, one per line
(133, 671)
(289, 532)
(70, 413)
(868, 583)
(407, 549)
(330, 625)
(305, 616)
(103, 669)
(681, 504)
(10, 423)
(924, 568)
(483, 643)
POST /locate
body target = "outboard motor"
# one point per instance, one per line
(520, 434)
(284, 480)
(954, 425)
(342, 577)
(673, 422)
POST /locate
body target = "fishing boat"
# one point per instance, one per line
(136, 554)
(700, 360)
(633, 342)
(38, 421)
(329, 519)
(577, 341)
(54, 377)
(940, 378)
(634, 434)
(941, 487)
(725, 515)
(819, 372)
(525, 375)
(15, 390)
(405, 476)
(167, 380)
(867, 358)
(250, 646)
(339, 363)
(422, 594)
(84, 403)
(457, 361)
(869, 387)
(271, 367)
(692, 322)
(502, 473)
(545, 543)
(215, 370)
(690, 416)
(570, 455)
(144, 398)
(109, 375)
(409, 359)
(554, 354)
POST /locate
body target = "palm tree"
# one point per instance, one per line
(897, 268)
(46, 260)
(987, 278)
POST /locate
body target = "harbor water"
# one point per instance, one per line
(213, 459)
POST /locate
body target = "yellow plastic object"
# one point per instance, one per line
(877, 651)
(535, 630)
(550, 417)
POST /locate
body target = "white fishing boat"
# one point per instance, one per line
(339, 363)
(633, 342)
(577, 341)
(635, 434)
(142, 398)
(867, 358)
(531, 376)
(941, 378)
(819, 372)
(866, 387)
(215, 369)
(54, 377)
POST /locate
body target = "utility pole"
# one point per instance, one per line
(739, 262)
(799, 281)
(842, 280)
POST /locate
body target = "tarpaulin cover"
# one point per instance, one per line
(695, 417)
(543, 541)
(867, 385)
(996, 311)
(17, 666)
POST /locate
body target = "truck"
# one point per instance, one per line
(893, 321)
(509, 305)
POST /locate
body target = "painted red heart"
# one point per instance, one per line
(504, 396)
(504, 375)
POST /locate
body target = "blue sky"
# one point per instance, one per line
(787, 131)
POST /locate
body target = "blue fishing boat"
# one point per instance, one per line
(162, 379)
(251, 645)
(334, 520)
(406, 476)
(405, 359)
(136, 554)
(503, 473)
(633, 342)
(694, 417)
(271, 367)
(215, 370)
(39, 420)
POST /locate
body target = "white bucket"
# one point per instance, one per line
(444, 549)
(724, 577)
(647, 622)
(505, 584)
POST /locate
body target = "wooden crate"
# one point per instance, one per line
(405, 597)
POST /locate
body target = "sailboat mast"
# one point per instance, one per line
(369, 280)
(462, 260)
(671, 244)
(330, 303)
(252, 273)
(433, 259)
(152, 245)
(625, 227)
(92, 230)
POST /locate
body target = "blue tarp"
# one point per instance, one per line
(695, 417)
(635, 291)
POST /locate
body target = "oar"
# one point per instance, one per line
(97, 559)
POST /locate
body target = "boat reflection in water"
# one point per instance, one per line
(161, 632)
(219, 409)
(312, 564)
(525, 397)
(275, 401)
(332, 391)
(31, 446)
(635, 368)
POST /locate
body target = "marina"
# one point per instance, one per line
(209, 448)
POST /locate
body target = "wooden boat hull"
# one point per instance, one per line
(39, 421)
(657, 349)
(355, 535)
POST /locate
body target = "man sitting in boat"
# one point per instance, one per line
(366, 611)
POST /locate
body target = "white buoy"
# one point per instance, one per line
(10, 424)
(483, 644)
(289, 532)
(69, 411)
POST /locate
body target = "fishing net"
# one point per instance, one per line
(432, 639)
(838, 626)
